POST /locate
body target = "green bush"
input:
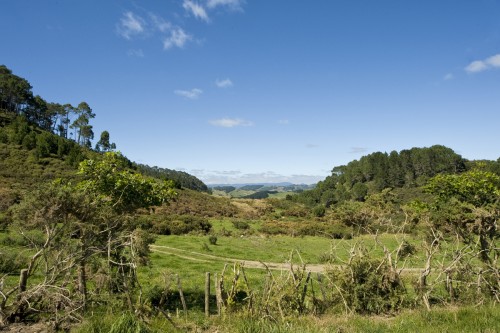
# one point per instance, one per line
(212, 239)
(11, 261)
(319, 211)
(367, 286)
(240, 225)
(181, 224)
(4, 138)
(29, 141)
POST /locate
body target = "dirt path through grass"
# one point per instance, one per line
(203, 257)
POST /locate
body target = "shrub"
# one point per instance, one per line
(406, 249)
(4, 222)
(4, 138)
(181, 224)
(319, 211)
(212, 239)
(12, 262)
(367, 286)
(241, 225)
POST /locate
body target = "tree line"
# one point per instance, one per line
(409, 168)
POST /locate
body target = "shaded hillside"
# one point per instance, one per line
(180, 178)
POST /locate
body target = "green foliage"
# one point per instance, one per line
(11, 261)
(212, 239)
(126, 190)
(319, 211)
(128, 323)
(367, 285)
(468, 203)
(84, 233)
(15, 92)
(180, 224)
(476, 187)
(103, 144)
(240, 224)
(374, 172)
(306, 228)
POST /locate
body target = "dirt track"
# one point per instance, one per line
(203, 257)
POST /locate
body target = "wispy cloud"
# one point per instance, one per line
(231, 122)
(231, 4)
(131, 25)
(135, 53)
(357, 150)
(159, 23)
(178, 38)
(283, 121)
(196, 10)
(226, 83)
(189, 94)
(311, 145)
(448, 77)
(482, 65)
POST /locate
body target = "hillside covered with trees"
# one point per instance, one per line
(406, 170)
(55, 132)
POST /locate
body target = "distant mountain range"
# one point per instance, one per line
(261, 184)
(258, 190)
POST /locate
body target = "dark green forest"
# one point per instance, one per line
(406, 170)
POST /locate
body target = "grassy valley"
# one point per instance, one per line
(93, 242)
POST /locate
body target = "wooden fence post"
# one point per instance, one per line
(218, 294)
(207, 294)
(181, 294)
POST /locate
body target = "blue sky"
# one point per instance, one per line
(278, 90)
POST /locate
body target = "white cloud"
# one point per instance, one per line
(494, 61)
(226, 83)
(189, 94)
(159, 23)
(135, 53)
(448, 77)
(482, 65)
(197, 10)
(231, 4)
(178, 38)
(230, 122)
(311, 145)
(476, 66)
(131, 25)
(283, 121)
